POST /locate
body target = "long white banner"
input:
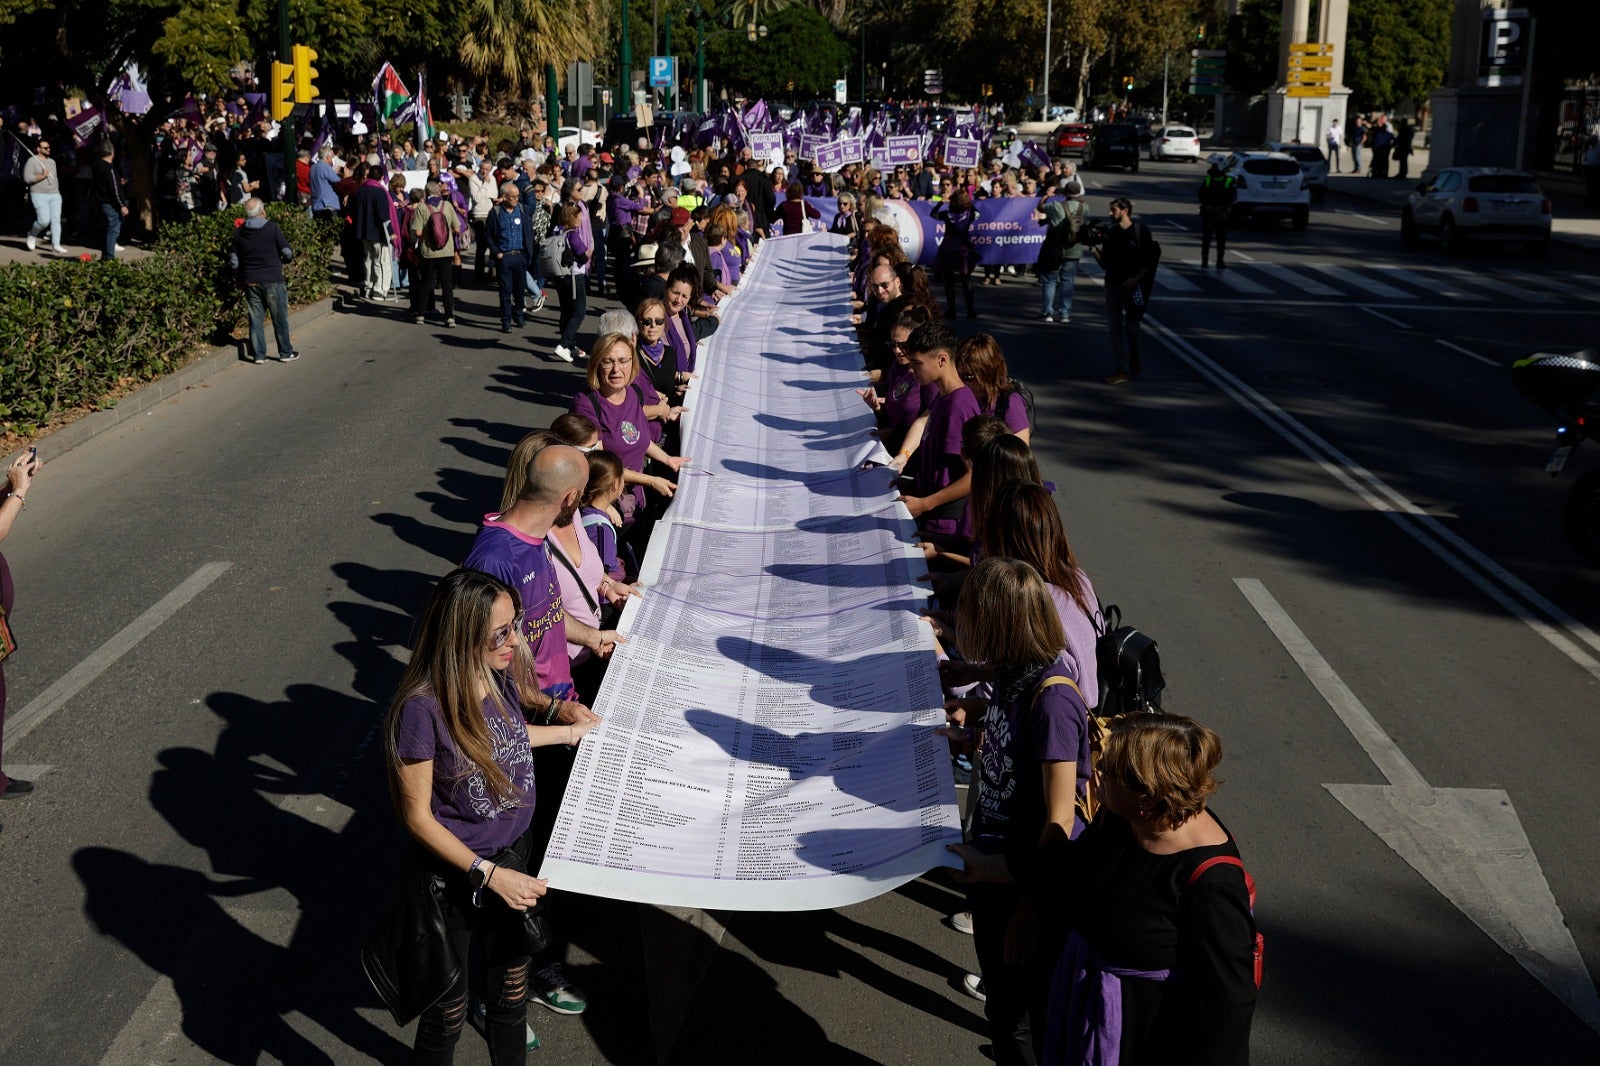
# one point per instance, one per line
(768, 740)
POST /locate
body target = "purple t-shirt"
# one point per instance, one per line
(1081, 637)
(1013, 409)
(938, 458)
(903, 398)
(624, 430)
(604, 535)
(461, 799)
(524, 563)
(1049, 725)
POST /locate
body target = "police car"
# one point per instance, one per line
(1268, 185)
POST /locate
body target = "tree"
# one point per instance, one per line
(800, 47)
(1398, 49)
(510, 41)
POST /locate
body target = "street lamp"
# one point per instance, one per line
(752, 33)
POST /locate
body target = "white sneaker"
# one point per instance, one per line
(972, 985)
(538, 303)
(120, 248)
(961, 923)
(33, 242)
(563, 353)
(59, 249)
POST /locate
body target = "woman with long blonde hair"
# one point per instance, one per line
(461, 772)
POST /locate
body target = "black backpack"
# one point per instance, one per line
(1129, 668)
(1023, 393)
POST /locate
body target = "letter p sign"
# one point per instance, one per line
(1502, 37)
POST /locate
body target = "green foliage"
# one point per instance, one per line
(76, 334)
(1252, 43)
(1397, 50)
(800, 46)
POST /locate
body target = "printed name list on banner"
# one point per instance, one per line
(769, 738)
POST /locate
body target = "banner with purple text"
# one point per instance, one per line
(1005, 232)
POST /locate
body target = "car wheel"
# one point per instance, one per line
(1449, 238)
(1539, 249)
(1318, 192)
(1302, 217)
(1408, 228)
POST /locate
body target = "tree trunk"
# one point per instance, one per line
(138, 138)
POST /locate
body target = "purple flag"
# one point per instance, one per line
(86, 126)
(1034, 156)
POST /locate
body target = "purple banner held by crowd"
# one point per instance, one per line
(1005, 233)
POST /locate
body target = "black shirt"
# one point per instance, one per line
(1126, 252)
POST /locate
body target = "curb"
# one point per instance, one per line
(90, 426)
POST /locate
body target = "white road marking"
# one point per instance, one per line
(27, 771)
(1360, 281)
(1242, 255)
(1432, 284)
(1567, 635)
(1174, 225)
(55, 697)
(1386, 318)
(1282, 272)
(1374, 221)
(1238, 282)
(1566, 288)
(1172, 281)
(1471, 355)
(1466, 842)
(1498, 285)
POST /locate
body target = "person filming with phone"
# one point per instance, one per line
(19, 479)
(1128, 253)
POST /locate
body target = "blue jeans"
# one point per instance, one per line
(261, 300)
(1355, 156)
(512, 272)
(1058, 286)
(47, 216)
(113, 219)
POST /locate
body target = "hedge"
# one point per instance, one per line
(75, 335)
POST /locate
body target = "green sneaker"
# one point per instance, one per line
(553, 989)
(480, 1022)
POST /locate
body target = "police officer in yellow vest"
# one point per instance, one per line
(1217, 194)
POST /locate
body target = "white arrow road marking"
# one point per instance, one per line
(1467, 842)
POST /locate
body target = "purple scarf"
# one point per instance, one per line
(1089, 1030)
(680, 334)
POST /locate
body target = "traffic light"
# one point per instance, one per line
(1127, 84)
(282, 97)
(305, 75)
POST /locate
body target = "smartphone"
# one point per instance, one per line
(33, 458)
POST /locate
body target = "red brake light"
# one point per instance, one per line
(1544, 206)
(1469, 204)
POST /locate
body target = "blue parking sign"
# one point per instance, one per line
(663, 72)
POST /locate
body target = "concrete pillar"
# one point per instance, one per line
(1305, 119)
(1296, 23)
(1473, 125)
(1333, 17)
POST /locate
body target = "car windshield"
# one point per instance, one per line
(1117, 133)
(1304, 152)
(1271, 167)
(1178, 131)
(1502, 183)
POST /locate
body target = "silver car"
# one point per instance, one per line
(1481, 203)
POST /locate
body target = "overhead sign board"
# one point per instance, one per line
(1311, 48)
(1306, 90)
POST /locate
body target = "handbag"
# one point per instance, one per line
(8, 643)
(535, 920)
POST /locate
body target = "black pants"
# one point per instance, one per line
(1213, 224)
(439, 271)
(950, 279)
(503, 953)
(480, 237)
(513, 270)
(1125, 309)
(1016, 995)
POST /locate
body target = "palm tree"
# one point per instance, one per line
(752, 12)
(511, 41)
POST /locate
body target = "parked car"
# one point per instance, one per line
(1113, 145)
(1481, 203)
(1313, 164)
(1070, 139)
(1175, 142)
(1269, 185)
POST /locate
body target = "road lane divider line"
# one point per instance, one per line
(1470, 355)
(52, 699)
(1245, 257)
(1374, 221)
(1558, 628)
(1386, 318)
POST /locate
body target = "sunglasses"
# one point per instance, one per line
(652, 322)
(499, 638)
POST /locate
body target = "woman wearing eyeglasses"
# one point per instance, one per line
(615, 401)
(461, 773)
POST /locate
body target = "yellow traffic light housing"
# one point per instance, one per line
(282, 96)
(305, 75)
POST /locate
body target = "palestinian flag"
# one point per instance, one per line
(423, 114)
(391, 95)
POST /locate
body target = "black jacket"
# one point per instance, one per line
(105, 183)
(259, 253)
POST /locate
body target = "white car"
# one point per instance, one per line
(1313, 164)
(1268, 184)
(1483, 203)
(572, 135)
(1175, 142)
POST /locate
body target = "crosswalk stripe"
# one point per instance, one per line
(1350, 277)
(1173, 281)
(1567, 288)
(1498, 285)
(1282, 272)
(1233, 280)
(1430, 283)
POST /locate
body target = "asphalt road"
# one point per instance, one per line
(211, 839)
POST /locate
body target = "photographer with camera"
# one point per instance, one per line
(1129, 253)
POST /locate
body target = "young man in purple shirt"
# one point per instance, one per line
(940, 481)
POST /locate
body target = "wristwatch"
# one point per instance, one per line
(477, 877)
